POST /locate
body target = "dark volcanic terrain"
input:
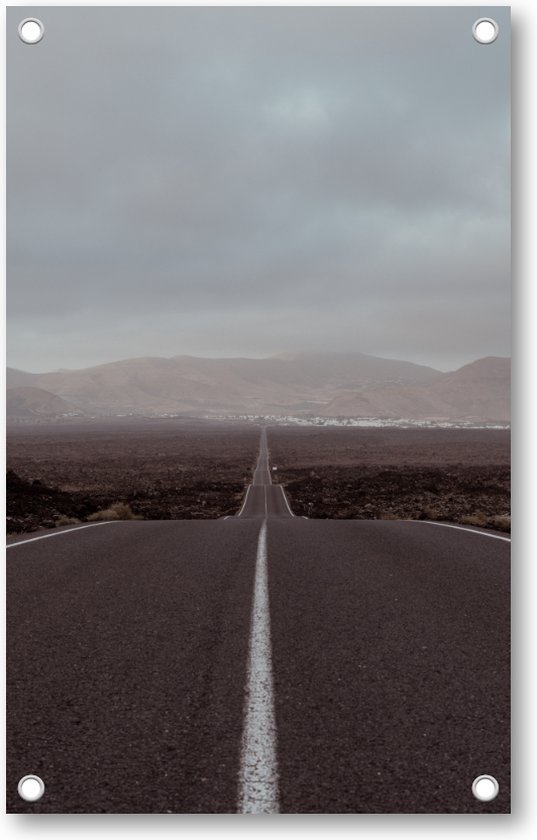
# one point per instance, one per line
(159, 469)
(173, 469)
(457, 475)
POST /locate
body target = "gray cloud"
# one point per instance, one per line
(253, 180)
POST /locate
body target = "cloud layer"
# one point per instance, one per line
(246, 181)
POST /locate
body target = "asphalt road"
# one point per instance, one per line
(264, 499)
(259, 663)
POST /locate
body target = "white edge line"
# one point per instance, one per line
(67, 531)
(245, 500)
(258, 777)
(285, 500)
(459, 528)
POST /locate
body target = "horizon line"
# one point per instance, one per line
(283, 356)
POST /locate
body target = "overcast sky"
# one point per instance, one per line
(250, 181)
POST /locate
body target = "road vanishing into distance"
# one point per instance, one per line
(261, 663)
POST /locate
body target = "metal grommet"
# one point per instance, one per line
(485, 30)
(31, 788)
(31, 30)
(485, 788)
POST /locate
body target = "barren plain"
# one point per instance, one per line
(161, 469)
(178, 469)
(457, 475)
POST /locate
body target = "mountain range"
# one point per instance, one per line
(314, 384)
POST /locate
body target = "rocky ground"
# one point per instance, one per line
(453, 475)
(60, 475)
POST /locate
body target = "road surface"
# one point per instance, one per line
(262, 498)
(260, 663)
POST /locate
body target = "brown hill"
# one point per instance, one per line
(28, 402)
(479, 391)
(19, 378)
(332, 384)
(186, 384)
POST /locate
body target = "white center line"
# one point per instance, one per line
(258, 779)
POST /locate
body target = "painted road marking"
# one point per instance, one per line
(285, 500)
(59, 533)
(258, 779)
(245, 500)
(459, 528)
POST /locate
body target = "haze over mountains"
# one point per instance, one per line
(315, 384)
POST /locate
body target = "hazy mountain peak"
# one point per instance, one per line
(332, 384)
